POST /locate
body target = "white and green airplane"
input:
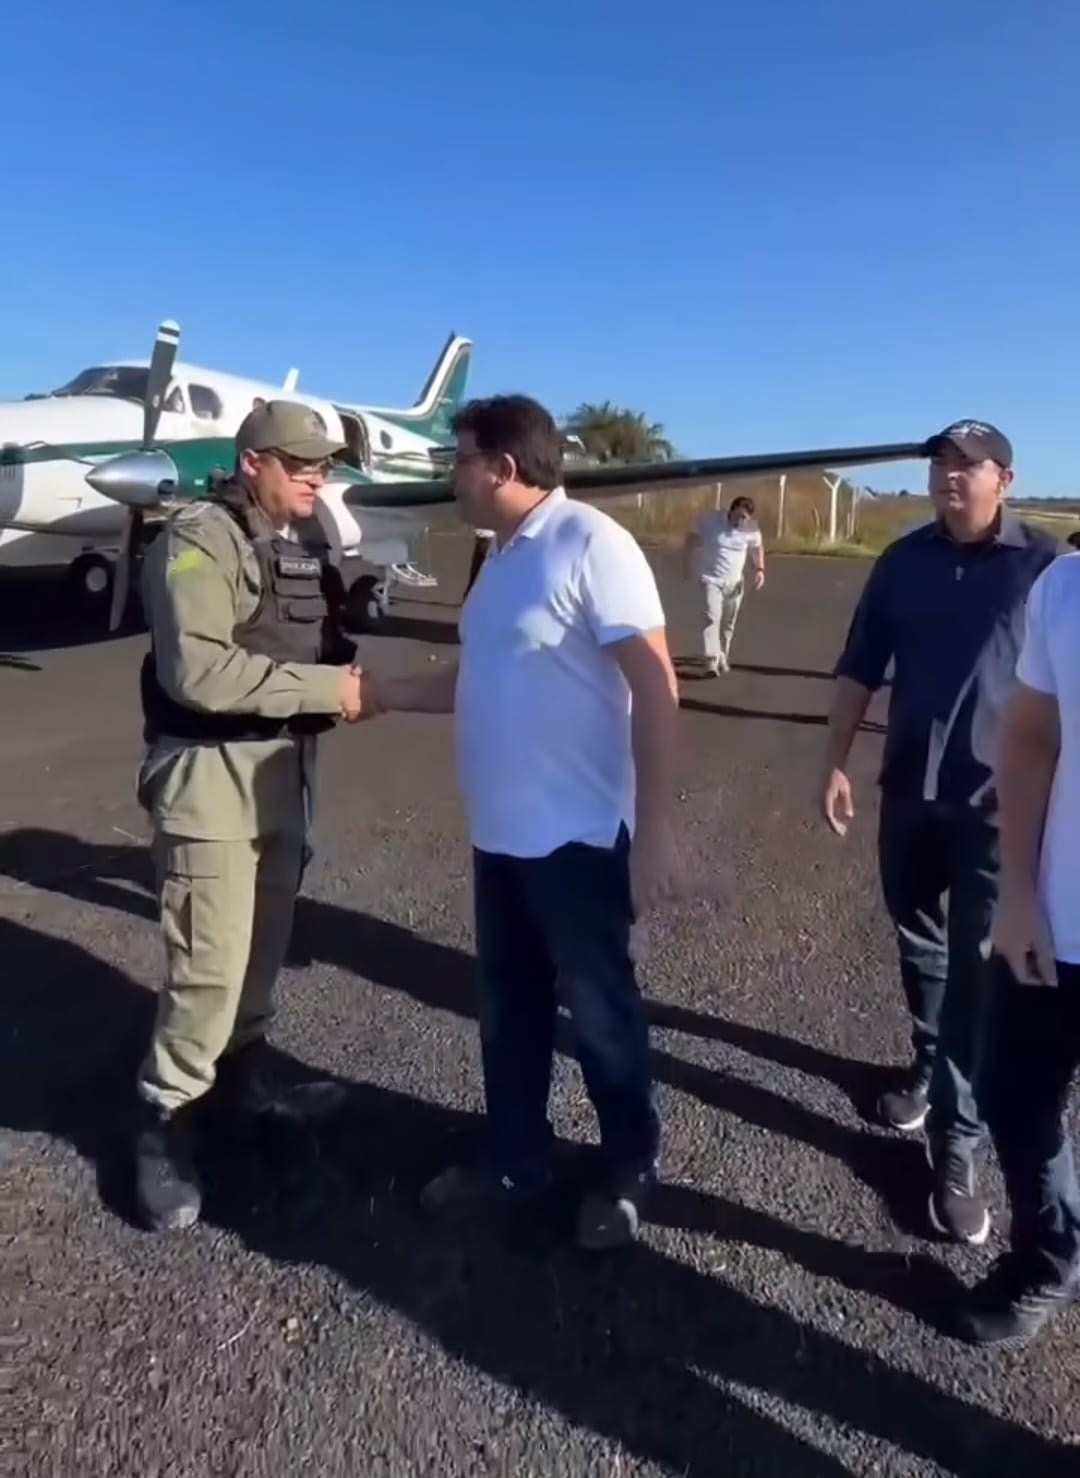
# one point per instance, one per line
(50, 514)
(383, 492)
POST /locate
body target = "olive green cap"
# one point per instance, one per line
(286, 426)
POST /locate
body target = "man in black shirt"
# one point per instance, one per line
(945, 604)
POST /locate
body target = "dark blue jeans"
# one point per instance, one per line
(939, 875)
(561, 921)
(1031, 1052)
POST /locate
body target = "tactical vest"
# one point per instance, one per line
(296, 620)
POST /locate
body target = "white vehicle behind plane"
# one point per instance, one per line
(50, 515)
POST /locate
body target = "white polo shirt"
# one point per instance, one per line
(542, 712)
(1049, 662)
(722, 557)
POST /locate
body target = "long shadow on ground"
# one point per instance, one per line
(441, 976)
(630, 1347)
(733, 710)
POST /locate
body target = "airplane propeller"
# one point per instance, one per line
(157, 381)
(157, 384)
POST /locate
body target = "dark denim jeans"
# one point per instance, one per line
(939, 875)
(1031, 1052)
(562, 919)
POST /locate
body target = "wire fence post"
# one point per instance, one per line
(834, 489)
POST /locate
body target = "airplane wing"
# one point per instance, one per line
(611, 480)
(156, 477)
(616, 481)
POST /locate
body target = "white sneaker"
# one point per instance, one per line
(408, 574)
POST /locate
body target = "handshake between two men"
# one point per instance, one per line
(363, 695)
(660, 872)
(357, 693)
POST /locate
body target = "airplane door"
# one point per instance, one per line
(207, 411)
(357, 443)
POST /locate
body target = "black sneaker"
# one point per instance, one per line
(905, 1107)
(1009, 1307)
(957, 1210)
(470, 1190)
(256, 1080)
(526, 1220)
(167, 1188)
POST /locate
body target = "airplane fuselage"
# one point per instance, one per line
(48, 443)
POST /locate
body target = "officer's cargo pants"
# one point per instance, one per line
(226, 916)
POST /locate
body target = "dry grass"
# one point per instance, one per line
(863, 529)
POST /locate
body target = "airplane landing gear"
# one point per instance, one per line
(366, 603)
(89, 583)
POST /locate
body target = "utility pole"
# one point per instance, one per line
(780, 506)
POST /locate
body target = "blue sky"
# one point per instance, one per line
(769, 225)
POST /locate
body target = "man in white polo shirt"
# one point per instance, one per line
(1032, 1044)
(719, 546)
(566, 710)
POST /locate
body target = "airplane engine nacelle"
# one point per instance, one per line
(343, 531)
(349, 540)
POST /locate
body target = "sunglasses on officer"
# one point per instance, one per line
(297, 470)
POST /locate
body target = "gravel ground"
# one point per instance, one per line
(785, 1310)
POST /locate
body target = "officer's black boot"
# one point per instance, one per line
(167, 1188)
(255, 1080)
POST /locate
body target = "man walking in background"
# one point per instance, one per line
(566, 711)
(719, 546)
(945, 603)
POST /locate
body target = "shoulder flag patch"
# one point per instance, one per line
(186, 560)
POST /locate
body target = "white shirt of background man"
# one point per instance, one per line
(721, 556)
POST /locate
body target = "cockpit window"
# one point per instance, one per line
(205, 403)
(123, 382)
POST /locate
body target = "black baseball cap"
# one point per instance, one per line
(977, 440)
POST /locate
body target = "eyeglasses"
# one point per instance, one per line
(299, 470)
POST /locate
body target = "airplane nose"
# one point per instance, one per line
(136, 479)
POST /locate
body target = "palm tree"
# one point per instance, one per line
(612, 434)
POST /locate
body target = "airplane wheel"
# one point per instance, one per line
(90, 580)
(363, 611)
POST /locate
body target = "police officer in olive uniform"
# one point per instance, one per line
(246, 667)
